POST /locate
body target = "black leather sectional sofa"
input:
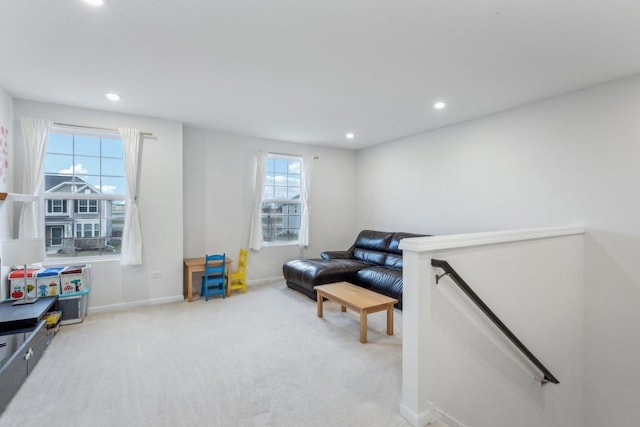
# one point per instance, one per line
(373, 262)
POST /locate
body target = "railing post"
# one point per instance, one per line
(417, 353)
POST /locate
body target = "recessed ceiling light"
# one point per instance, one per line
(439, 105)
(94, 2)
(350, 135)
(112, 96)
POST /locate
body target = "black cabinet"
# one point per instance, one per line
(23, 340)
(28, 344)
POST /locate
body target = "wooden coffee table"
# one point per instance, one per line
(358, 299)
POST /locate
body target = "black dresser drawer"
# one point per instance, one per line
(28, 345)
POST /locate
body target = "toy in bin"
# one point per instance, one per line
(74, 278)
(17, 284)
(48, 281)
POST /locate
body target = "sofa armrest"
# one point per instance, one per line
(327, 255)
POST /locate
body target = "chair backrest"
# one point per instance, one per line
(214, 267)
(242, 261)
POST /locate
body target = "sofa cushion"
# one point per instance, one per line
(387, 281)
(310, 272)
(373, 240)
(393, 261)
(371, 246)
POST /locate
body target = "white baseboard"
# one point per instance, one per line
(265, 281)
(431, 415)
(417, 419)
(165, 300)
(134, 304)
(447, 419)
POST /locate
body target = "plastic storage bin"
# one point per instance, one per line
(73, 306)
(17, 284)
(75, 278)
(48, 281)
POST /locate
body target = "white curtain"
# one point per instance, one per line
(255, 237)
(35, 133)
(132, 235)
(305, 200)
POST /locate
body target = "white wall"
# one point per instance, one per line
(569, 160)
(6, 121)
(219, 181)
(160, 205)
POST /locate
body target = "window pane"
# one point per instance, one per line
(293, 193)
(88, 184)
(281, 166)
(294, 166)
(271, 166)
(60, 143)
(280, 193)
(57, 163)
(293, 180)
(112, 167)
(112, 148)
(86, 165)
(87, 145)
(113, 185)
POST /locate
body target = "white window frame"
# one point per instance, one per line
(71, 198)
(282, 201)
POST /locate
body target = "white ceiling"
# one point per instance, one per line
(309, 71)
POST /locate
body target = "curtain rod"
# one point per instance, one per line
(289, 155)
(147, 134)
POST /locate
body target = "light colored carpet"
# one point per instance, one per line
(257, 359)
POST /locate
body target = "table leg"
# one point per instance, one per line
(190, 284)
(319, 304)
(343, 308)
(184, 281)
(363, 326)
(390, 320)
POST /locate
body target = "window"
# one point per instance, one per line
(281, 199)
(56, 207)
(87, 206)
(84, 191)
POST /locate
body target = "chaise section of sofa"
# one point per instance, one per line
(373, 262)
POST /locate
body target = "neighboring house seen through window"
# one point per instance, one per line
(84, 194)
(281, 199)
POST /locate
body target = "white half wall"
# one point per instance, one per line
(570, 160)
(160, 205)
(456, 362)
(219, 181)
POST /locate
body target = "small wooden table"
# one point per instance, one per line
(359, 299)
(194, 265)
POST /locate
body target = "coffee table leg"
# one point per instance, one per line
(343, 308)
(390, 320)
(319, 304)
(363, 326)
